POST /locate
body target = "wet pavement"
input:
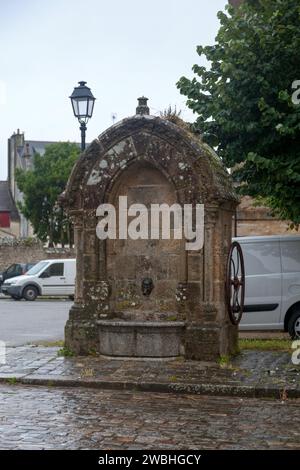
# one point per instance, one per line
(81, 418)
(251, 374)
(99, 403)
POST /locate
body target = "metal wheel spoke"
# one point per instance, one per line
(238, 263)
(233, 264)
(235, 283)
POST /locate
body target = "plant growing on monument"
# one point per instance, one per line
(243, 101)
(41, 187)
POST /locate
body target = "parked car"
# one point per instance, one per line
(16, 269)
(272, 295)
(48, 277)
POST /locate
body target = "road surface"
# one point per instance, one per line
(23, 322)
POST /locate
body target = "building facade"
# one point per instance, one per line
(9, 215)
(253, 219)
(20, 155)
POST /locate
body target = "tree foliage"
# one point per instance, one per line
(243, 101)
(41, 187)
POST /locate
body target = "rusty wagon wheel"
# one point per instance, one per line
(235, 283)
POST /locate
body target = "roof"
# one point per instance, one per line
(197, 173)
(6, 201)
(65, 260)
(32, 147)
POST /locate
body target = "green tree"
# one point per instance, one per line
(41, 187)
(244, 100)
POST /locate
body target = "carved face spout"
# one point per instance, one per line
(147, 286)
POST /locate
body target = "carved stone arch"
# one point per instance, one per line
(132, 165)
(149, 137)
(175, 166)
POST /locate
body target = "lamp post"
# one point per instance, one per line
(82, 100)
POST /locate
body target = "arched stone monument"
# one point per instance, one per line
(150, 297)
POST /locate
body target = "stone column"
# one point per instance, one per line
(78, 239)
(211, 215)
(203, 334)
(81, 334)
(229, 332)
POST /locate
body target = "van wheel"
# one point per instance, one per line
(30, 293)
(294, 326)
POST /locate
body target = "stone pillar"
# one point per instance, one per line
(209, 247)
(80, 331)
(211, 334)
(229, 332)
(78, 239)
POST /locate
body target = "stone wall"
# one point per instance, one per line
(27, 250)
(12, 231)
(257, 220)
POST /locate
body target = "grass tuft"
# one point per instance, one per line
(265, 344)
(65, 352)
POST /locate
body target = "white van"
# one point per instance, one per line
(272, 294)
(48, 277)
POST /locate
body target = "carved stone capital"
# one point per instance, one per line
(211, 212)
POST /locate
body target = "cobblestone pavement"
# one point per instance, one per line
(255, 373)
(81, 418)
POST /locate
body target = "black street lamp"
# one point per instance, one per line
(82, 100)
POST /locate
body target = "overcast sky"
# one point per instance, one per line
(123, 49)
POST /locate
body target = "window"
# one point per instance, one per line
(37, 268)
(290, 256)
(261, 258)
(56, 269)
(11, 269)
(19, 269)
(28, 266)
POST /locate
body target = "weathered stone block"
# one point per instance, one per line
(141, 339)
(202, 343)
(90, 266)
(91, 242)
(195, 267)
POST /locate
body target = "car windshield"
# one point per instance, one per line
(37, 268)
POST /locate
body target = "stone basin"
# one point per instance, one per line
(141, 338)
